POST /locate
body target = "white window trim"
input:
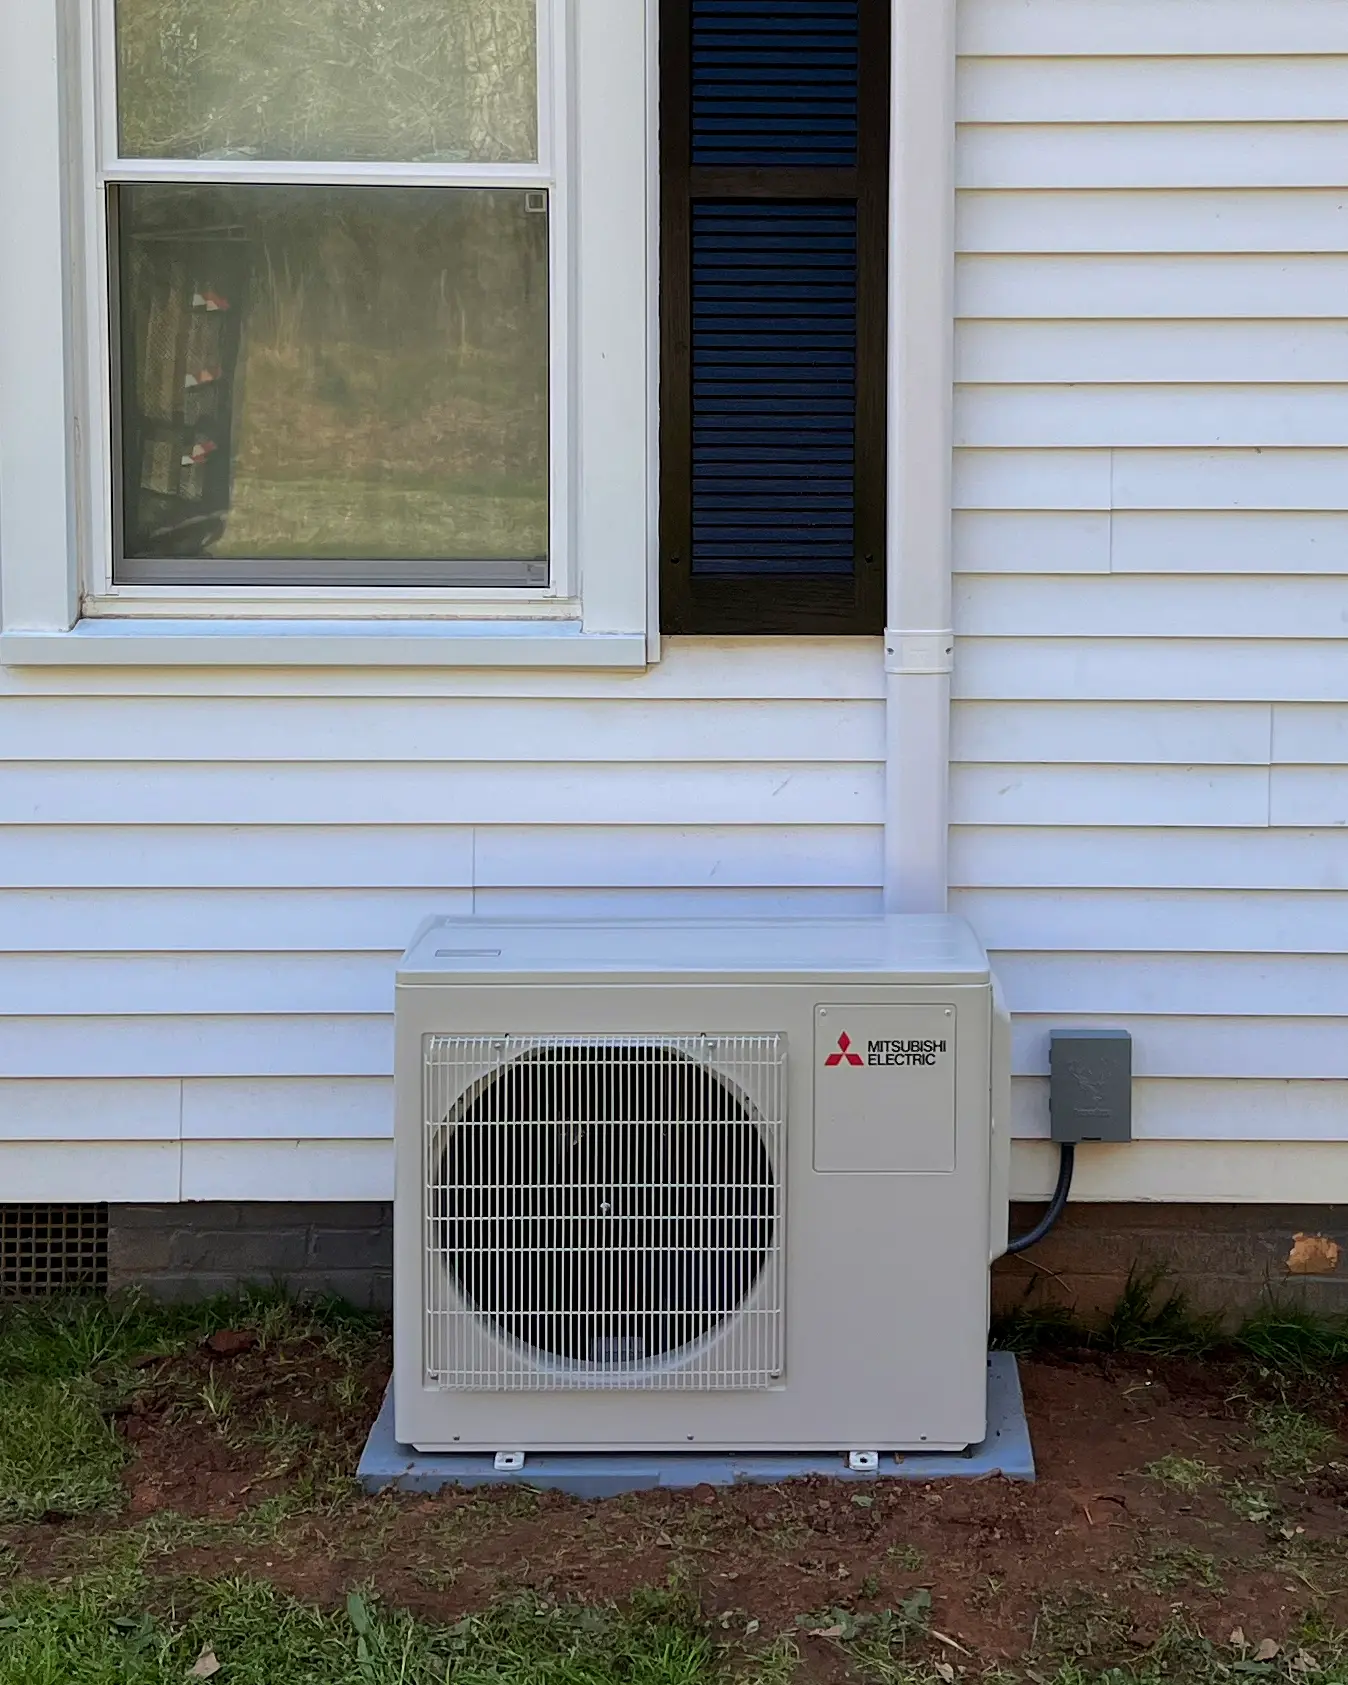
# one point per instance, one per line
(55, 606)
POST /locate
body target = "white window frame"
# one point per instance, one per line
(58, 604)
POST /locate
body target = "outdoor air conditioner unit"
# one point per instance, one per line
(705, 1185)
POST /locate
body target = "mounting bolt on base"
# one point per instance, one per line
(508, 1462)
(863, 1462)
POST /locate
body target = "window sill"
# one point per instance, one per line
(299, 643)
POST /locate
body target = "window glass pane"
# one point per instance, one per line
(334, 373)
(336, 79)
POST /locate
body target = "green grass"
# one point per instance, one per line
(1251, 1503)
(125, 1630)
(1154, 1320)
(65, 1365)
(1291, 1340)
(1295, 1444)
(1078, 1623)
(877, 1645)
(1170, 1566)
(1146, 1318)
(1185, 1474)
(58, 1451)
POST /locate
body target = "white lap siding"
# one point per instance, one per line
(1150, 741)
(207, 878)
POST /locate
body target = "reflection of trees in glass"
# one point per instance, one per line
(339, 79)
(391, 396)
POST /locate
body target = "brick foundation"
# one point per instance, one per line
(192, 1251)
(1223, 1257)
(1228, 1258)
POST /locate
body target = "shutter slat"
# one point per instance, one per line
(774, 388)
(775, 83)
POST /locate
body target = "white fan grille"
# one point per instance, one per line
(604, 1211)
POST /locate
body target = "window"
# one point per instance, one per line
(315, 381)
(348, 292)
(774, 151)
(330, 383)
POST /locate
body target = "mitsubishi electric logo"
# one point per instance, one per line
(844, 1052)
(888, 1051)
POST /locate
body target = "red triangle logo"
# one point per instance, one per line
(844, 1052)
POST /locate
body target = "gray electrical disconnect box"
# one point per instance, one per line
(1090, 1085)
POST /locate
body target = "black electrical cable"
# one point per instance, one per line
(1067, 1159)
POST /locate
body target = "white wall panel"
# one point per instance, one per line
(80, 1172)
(1231, 479)
(1150, 669)
(1132, 353)
(92, 1110)
(450, 733)
(826, 902)
(518, 793)
(821, 856)
(129, 856)
(1188, 607)
(1184, 985)
(1133, 155)
(287, 1170)
(1159, 921)
(266, 1045)
(1144, 417)
(1066, 288)
(1095, 857)
(1311, 735)
(1280, 543)
(213, 980)
(1030, 541)
(1309, 795)
(288, 1108)
(220, 921)
(1165, 28)
(1027, 794)
(1116, 221)
(1147, 733)
(1312, 87)
(430, 858)
(1027, 479)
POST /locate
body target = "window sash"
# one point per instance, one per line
(551, 96)
(151, 588)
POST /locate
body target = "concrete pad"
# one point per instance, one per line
(1006, 1451)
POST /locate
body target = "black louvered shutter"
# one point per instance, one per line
(774, 161)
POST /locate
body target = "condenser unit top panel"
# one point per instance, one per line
(914, 949)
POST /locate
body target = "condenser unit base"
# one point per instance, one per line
(385, 1464)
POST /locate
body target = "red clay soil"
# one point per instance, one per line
(1096, 1558)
